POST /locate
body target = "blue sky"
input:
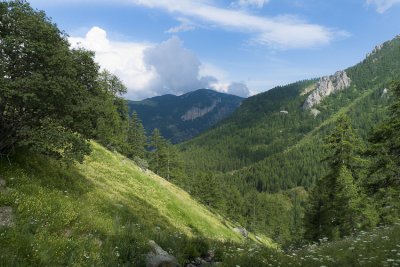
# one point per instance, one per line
(240, 46)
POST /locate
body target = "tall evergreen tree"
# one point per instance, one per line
(383, 181)
(136, 137)
(335, 208)
(158, 154)
(173, 168)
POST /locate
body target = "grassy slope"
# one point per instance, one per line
(80, 214)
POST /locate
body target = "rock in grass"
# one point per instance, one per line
(158, 257)
(243, 231)
(7, 217)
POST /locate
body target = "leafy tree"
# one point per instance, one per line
(137, 139)
(112, 123)
(48, 92)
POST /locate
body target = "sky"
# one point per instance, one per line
(241, 47)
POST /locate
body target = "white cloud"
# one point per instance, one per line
(251, 3)
(151, 69)
(186, 25)
(177, 68)
(233, 88)
(382, 5)
(121, 58)
(282, 32)
(290, 33)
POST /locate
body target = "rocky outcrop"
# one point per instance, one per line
(326, 86)
(376, 49)
(158, 257)
(315, 112)
(308, 89)
(284, 112)
(196, 112)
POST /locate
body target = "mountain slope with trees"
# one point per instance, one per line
(180, 118)
(260, 147)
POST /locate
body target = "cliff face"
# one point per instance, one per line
(326, 86)
(196, 112)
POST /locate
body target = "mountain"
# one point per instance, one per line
(273, 141)
(99, 213)
(180, 118)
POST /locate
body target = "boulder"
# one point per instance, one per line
(243, 231)
(7, 217)
(157, 257)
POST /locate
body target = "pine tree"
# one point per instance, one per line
(383, 181)
(174, 165)
(335, 206)
(158, 155)
(136, 137)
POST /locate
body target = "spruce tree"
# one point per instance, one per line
(136, 137)
(383, 181)
(335, 207)
(158, 155)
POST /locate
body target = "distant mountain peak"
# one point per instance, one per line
(182, 117)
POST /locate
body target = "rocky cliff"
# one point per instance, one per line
(326, 86)
(196, 112)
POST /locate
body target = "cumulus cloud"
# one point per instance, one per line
(150, 69)
(124, 59)
(233, 88)
(177, 68)
(382, 5)
(251, 3)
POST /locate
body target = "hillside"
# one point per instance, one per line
(101, 212)
(180, 118)
(272, 142)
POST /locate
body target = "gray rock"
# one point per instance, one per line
(326, 86)
(7, 217)
(284, 112)
(376, 49)
(243, 231)
(196, 112)
(2, 182)
(158, 257)
(315, 112)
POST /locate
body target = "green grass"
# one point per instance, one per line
(101, 212)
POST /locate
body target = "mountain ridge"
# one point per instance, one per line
(180, 118)
(257, 134)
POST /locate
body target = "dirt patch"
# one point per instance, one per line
(7, 217)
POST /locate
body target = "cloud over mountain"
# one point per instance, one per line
(151, 69)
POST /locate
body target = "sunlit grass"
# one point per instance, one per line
(102, 212)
